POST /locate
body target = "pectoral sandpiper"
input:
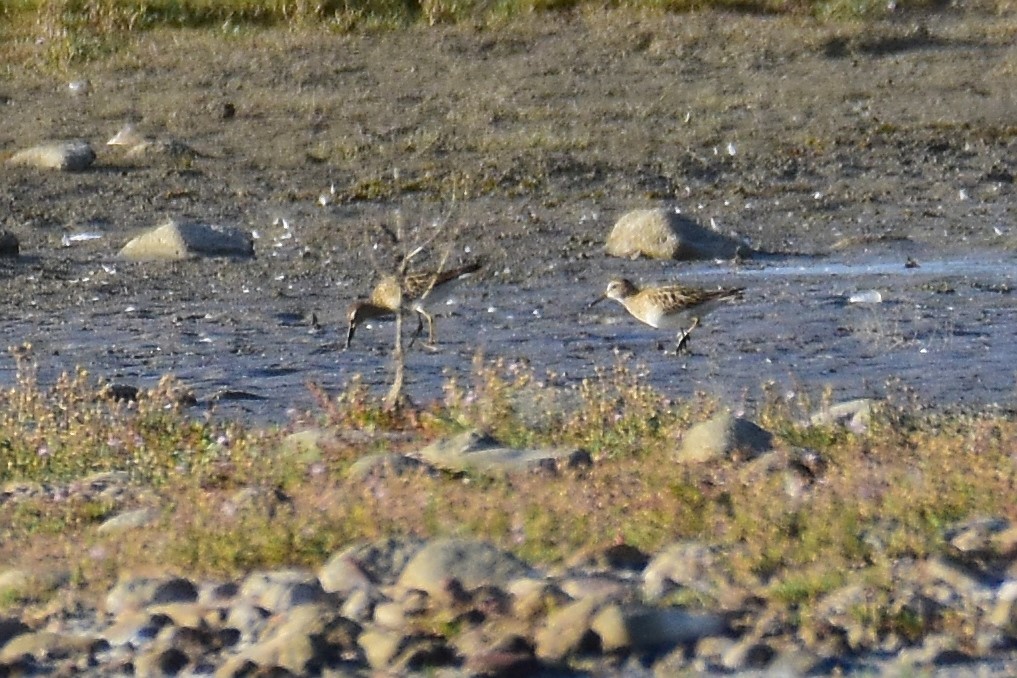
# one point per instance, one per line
(669, 306)
(416, 289)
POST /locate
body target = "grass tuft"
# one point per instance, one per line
(229, 499)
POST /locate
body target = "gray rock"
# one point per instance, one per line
(683, 564)
(380, 561)
(134, 628)
(282, 590)
(472, 563)
(664, 234)
(533, 599)
(308, 444)
(476, 451)
(247, 618)
(723, 436)
(184, 614)
(622, 628)
(294, 652)
(381, 646)
(359, 605)
(965, 582)
(601, 587)
(977, 537)
(852, 414)
(134, 593)
(1004, 612)
(177, 240)
(343, 574)
(748, 653)
(385, 464)
(129, 520)
(45, 644)
(9, 245)
(67, 156)
(566, 630)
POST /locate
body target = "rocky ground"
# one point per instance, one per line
(523, 144)
(461, 607)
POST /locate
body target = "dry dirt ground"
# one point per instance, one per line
(522, 143)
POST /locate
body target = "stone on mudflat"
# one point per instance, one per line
(9, 245)
(67, 156)
(472, 563)
(176, 240)
(622, 628)
(665, 234)
(723, 436)
(476, 451)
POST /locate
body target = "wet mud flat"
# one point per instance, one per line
(858, 324)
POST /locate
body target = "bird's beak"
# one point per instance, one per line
(597, 300)
(349, 335)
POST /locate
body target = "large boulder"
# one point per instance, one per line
(473, 563)
(665, 234)
(724, 436)
(68, 156)
(176, 240)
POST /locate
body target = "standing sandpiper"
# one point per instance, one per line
(431, 287)
(669, 306)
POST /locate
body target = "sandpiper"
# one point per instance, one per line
(669, 306)
(430, 287)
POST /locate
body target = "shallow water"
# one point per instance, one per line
(946, 329)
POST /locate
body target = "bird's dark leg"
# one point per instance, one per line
(431, 342)
(683, 338)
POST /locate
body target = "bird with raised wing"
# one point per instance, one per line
(416, 291)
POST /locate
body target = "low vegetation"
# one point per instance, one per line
(82, 30)
(231, 498)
